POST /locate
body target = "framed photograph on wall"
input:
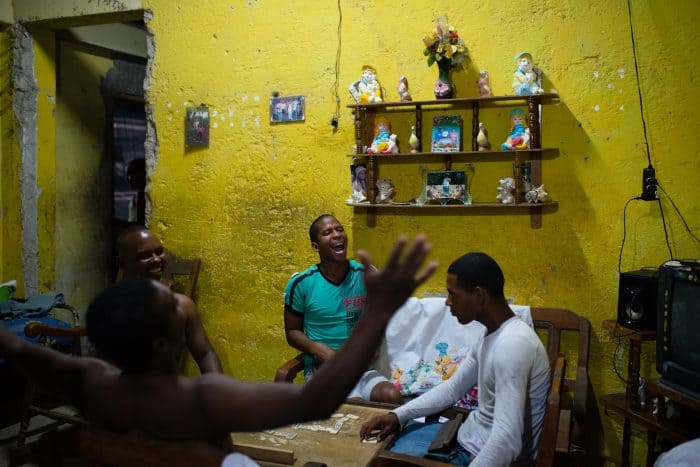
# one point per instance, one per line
(447, 186)
(446, 135)
(287, 109)
(197, 126)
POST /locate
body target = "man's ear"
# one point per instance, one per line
(160, 345)
(314, 245)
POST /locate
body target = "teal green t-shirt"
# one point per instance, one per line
(330, 310)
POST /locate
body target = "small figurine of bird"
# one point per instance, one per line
(482, 139)
(413, 140)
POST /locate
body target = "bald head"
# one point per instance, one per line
(140, 253)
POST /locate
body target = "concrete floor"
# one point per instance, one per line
(37, 426)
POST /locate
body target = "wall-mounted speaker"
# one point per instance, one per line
(636, 301)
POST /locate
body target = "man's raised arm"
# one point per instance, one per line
(48, 367)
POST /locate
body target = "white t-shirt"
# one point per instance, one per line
(513, 386)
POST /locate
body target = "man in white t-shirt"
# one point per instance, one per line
(509, 364)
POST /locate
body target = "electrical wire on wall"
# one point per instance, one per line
(649, 181)
(335, 87)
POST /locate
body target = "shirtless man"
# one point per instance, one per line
(142, 255)
(145, 392)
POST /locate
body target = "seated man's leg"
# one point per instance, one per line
(415, 440)
(375, 387)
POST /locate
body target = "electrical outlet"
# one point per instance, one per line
(649, 192)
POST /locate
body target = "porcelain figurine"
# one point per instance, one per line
(382, 142)
(526, 79)
(402, 88)
(484, 87)
(367, 89)
(537, 195)
(413, 140)
(386, 191)
(393, 144)
(482, 138)
(519, 136)
(505, 190)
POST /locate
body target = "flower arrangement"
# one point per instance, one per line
(443, 45)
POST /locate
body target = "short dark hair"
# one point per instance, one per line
(138, 164)
(478, 270)
(313, 233)
(122, 240)
(124, 320)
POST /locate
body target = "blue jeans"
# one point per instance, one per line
(415, 440)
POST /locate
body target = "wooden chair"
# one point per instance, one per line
(45, 404)
(553, 322)
(94, 448)
(289, 370)
(176, 268)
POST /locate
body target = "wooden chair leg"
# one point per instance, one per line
(29, 393)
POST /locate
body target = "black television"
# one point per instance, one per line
(678, 326)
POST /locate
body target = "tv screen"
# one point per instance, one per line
(685, 324)
(678, 332)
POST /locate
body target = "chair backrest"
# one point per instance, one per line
(101, 448)
(175, 267)
(550, 425)
(555, 321)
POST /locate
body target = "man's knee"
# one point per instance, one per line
(386, 392)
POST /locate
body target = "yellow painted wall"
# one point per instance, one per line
(10, 234)
(244, 204)
(84, 171)
(45, 74)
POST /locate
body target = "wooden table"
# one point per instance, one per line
(341, 449)
(298, 445)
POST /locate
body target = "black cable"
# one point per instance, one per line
(639, 84)
(624, 232)
(678, 212)
(663, 222)
(335, 87)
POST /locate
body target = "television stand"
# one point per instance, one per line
(662, 390)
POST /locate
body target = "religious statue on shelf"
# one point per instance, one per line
(384, 142)
(402, 88)
(367, 89)
(519, 135)
(484, 87)
(505, 190)
(526, 78)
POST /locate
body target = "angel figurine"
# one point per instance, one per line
(402, 88)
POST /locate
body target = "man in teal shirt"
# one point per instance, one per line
(323, 303)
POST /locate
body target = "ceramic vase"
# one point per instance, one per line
(444, 89)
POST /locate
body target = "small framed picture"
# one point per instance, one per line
(287, 109)
(445, 186)
(197, 126)
(446, 134)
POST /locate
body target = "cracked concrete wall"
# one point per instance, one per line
(25, 109)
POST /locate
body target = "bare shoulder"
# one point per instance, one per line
(186, 304)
